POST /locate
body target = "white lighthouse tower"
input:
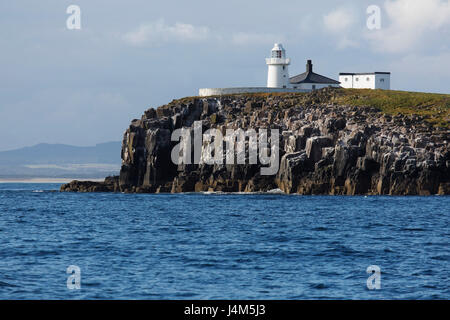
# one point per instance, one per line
(278, 75)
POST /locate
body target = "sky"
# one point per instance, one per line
(84, 86)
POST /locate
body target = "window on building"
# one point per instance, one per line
(314, 87)
(345, 79)
(356, 79)
(368, 79)
(276, 54)
(284, 67)
(381, 80)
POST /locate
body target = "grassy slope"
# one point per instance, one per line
(434, 107)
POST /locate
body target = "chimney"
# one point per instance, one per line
(309, 66)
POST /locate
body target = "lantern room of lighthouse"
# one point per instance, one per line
(278, 74)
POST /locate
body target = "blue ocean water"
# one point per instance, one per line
(220, 246)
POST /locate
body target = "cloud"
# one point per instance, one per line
(420, 72)
(245, 38)
(340, 23)
(158, 33)
(411, 23)
(436, 65)
(339, 20)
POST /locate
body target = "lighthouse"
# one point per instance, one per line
(277, 74)
(278, 78)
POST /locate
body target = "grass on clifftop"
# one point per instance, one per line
(433, 106)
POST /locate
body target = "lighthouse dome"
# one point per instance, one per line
(278, 46)
(278, 51)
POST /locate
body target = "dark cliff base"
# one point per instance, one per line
(332, 141)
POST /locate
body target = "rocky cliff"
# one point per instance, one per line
(325, 147)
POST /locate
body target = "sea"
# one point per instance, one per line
(221, 246)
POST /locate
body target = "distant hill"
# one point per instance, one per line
(45, 153)
(59, 160)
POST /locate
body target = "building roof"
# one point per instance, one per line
(310, 77)
(361, 73)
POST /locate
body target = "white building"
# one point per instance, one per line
(278, 74)
(374, 80)
(278, 78)
(310, 80)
